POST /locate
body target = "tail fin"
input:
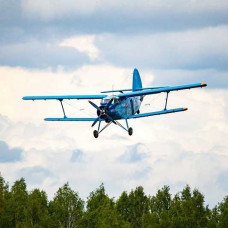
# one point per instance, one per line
(136, 83)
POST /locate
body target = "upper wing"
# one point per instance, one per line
(100, 96)
(160, 90)
(126, 90)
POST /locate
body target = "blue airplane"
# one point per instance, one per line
(124, 105)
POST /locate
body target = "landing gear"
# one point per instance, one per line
(138, 112)
(95, 134)
(130, 131)
(98, 131)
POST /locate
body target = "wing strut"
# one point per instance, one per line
(166, 100)
(64, 114)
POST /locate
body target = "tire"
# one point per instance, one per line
(95, 134)
(138, 112)
(130, 131)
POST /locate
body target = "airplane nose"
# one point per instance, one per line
(103, 112)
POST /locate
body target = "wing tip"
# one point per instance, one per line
(203, 84)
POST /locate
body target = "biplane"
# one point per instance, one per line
(122, 104)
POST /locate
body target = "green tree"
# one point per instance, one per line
(223, 213)
(38, 214)
(5, 216)
(101, 211)
(187, 210)
(2, 187)
(133, 208)
(159, 206)
(19, 204)
(123, 206)
(213, 218)
(66, 208)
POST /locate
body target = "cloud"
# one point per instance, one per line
(84, 44)
(134, 153)
(9, 155)
(223, 180)
(178, 77)
(83, 47)
(191, 50)
(77, 156)
(45, 20)
(201, 49)
(181, 34)
(49, 11)
(39, 55)
(173, 149)
(36, 175)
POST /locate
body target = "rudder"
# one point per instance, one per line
(136, 82)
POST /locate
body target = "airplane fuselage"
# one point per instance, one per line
(121, 108)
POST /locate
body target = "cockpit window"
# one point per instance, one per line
(116, 100)
(105, 100)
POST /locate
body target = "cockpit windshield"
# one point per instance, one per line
(107, 99)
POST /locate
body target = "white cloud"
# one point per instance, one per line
(84, 44)
(48, 9)
(205, 48)
(178, 149)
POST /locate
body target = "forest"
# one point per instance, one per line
(20, 208)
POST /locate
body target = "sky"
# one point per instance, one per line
(84, 47)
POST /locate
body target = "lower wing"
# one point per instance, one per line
(157, 113)
(70, 119)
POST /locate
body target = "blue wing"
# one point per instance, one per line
(70, 119)
(160, 90)
(127, 90)
(100, 96)
(157, 113)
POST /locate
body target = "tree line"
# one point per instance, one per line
(20, 208)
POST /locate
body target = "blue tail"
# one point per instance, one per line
(137, 83)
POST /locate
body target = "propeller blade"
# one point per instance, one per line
(111, 119)
(94, 105)
(108, 104)
(95, 121)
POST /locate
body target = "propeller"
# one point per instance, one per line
(103, 112)
(94, 105)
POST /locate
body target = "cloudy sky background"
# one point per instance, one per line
(80, 47)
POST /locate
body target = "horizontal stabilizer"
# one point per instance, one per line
(167, 111)
(70, 119)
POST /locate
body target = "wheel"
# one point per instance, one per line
(138, 112)
(130, 131)
(95, 134)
